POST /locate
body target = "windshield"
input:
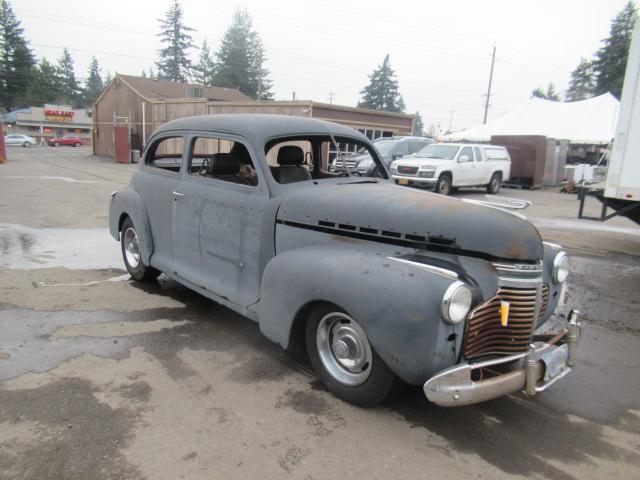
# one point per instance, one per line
(442, 152)
(385, 146)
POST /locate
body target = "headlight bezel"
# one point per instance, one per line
(451, 296)
(560, 270)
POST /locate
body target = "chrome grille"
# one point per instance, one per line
(485, 334)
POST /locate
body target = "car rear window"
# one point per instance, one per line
(496, 154)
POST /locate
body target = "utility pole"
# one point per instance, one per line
(331, 94)
(451, 112)
(293, 97)
(486, 102)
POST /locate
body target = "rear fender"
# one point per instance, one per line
(129, 202)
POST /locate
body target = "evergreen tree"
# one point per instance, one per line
(418, 126)
(93, 86)
(46, 85)
(611, 59)
(582, 83)
(204, 71)
(70, 88)
(107, 78)
(174, 63)
(241, 59)
(144, 73)
(382, 92)
(16, 60)
(549, 94)
(152, 73)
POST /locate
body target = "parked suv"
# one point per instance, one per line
(445, 166)
(390, 149)
(72, 140)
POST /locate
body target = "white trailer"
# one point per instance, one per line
(622, 187)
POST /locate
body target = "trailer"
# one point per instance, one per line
(621, 191)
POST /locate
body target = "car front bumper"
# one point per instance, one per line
(548, 360)
(421, 181)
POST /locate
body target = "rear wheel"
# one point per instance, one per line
(77, 144)
(131, 254)
(443, 187)
(343, 358)
(26, 144)
(495, 183)
(56, 144)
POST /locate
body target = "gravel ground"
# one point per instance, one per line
(101, 377)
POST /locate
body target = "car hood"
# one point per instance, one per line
(381, 211)
(420, 161)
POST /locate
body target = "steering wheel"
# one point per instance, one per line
(204, 166)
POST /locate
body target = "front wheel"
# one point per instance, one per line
(343, 358)
(76, 144)
(494, 183)
(26, 144)
(56, 144)
(131, 254)
(443, 187)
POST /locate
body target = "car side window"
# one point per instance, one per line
(478, 154)
(468, 152)
(166, 154)
(401, 149)
(222, 159)
(496, 154)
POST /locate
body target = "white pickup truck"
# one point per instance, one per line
(445, 166)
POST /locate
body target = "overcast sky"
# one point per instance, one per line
(441, 51)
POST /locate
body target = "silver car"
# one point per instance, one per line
(16, 139)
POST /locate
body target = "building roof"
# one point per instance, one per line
(258, 128)
(590, 121)
(153, 89)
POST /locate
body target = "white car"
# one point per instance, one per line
(16, 139)
(444, 166)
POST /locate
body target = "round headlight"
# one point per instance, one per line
(560, 267)
(456, 302)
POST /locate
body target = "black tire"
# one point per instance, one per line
(26, 144)
(379, 380)
(443, 187)
(76, 144)
(138, 270)
(495, 183)
(56, 144)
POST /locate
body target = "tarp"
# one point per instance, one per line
(591, 121)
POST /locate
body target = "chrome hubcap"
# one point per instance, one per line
(131, 249)
(344, 349)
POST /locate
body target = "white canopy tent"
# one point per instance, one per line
(591, 121)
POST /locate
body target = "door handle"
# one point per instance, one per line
(178, 194)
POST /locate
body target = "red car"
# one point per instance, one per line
(72, 140)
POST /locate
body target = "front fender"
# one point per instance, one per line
(397, 305)
(129, 202)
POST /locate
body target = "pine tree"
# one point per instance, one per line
(46, 86)
(582, 84)
(16, 60)
(418, 126)
(93, 86)
(382, 92)
(611, 60)
(152, 73)
(143, 74)
(241, 59)
(70, 89)
(174, 63)
(107, 78)
(549, 94)
(204, 71)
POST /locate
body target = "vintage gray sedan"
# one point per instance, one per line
(374, 281)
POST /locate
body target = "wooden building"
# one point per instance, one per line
(129, 99)
(134, 96)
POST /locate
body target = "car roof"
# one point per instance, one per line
(259, 128)
(484, 145)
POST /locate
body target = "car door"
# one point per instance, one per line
(483, 167)
(157, 185)
(218, 218)
(11, 139)
(465, 168)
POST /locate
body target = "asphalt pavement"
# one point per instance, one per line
(101, 377)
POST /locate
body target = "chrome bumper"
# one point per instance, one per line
(544, 364)
(416, 179)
